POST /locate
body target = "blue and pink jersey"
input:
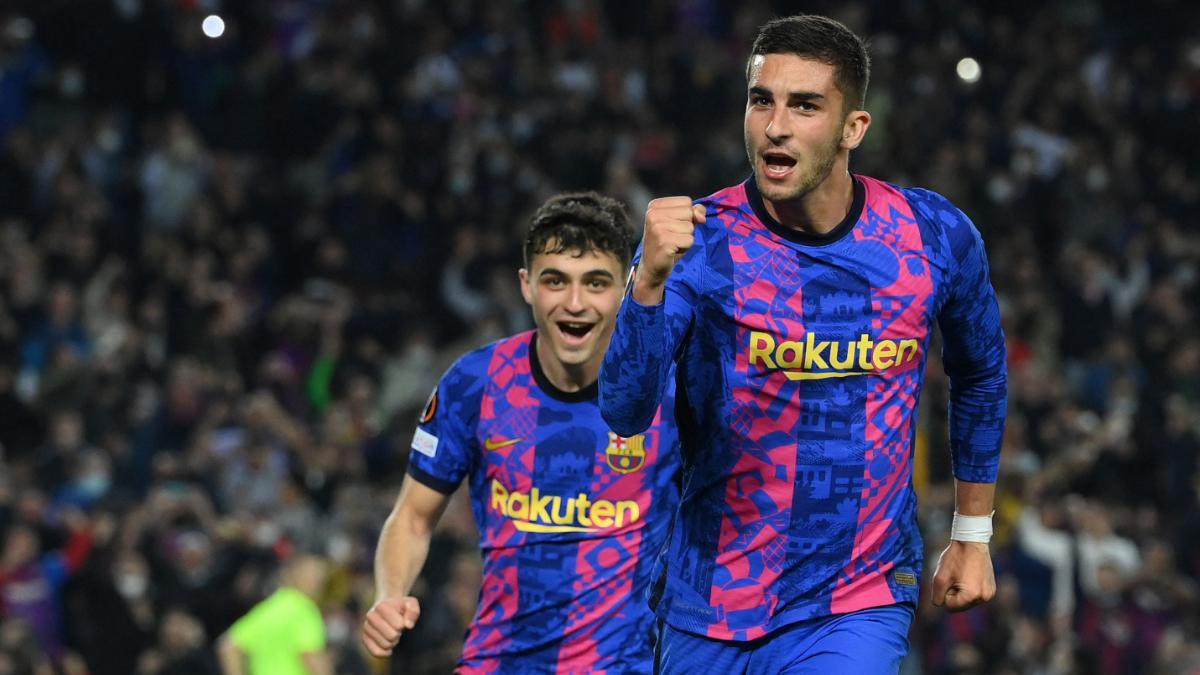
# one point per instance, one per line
(570, 515)
(800, 361)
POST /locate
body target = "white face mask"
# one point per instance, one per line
(108, 140)
(421, 353)
(71, 83)
(339, 548)
(337, 629)
(94, 485)
(267, 533)
(132, 586)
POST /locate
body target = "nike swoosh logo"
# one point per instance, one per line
(495, 445)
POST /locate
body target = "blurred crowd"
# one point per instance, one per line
(232, 269)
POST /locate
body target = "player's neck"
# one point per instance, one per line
(565, 377)
(822, 209)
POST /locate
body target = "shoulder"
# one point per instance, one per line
(934, 211)
(297, 607)
(956, 239)
(734, 195)
(477, 363)
(724, 211)
(462, 386)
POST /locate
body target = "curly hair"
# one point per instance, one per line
(580, 222)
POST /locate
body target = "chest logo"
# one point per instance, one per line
(503, 443)
(817, 359)
(626, 455)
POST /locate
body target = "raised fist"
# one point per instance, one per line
(669, 233)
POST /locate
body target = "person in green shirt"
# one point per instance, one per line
(285, 633)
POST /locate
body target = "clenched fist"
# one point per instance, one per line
(964, 576)
(387, 621)
(670, 232)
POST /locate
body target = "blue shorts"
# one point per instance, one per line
(870, 641)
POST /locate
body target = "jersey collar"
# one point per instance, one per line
(588, 393)
(843, 228)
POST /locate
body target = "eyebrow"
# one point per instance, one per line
(551, 271)
(792, 95)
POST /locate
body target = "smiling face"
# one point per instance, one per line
(796, 126)
(574, 299)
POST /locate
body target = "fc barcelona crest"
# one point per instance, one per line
(626, 455)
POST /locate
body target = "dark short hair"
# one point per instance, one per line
(823, 39)
(580, 222)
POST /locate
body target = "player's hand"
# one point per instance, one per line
(669, 233)
(964, 576)
(387, 621)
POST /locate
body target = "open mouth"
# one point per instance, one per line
(777, 165)
(575, 332)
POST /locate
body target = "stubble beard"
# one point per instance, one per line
(822, 166)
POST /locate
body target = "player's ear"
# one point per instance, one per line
(526, 291)
(854, 129)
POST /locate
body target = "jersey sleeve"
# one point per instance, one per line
(973, 347)
(310, 631)
(645, 343)
(249, 629)
(443, 446)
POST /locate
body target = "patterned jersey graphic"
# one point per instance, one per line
(801, 362)
(571, 515)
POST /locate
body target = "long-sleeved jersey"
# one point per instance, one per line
(571, 516)
(800, 363)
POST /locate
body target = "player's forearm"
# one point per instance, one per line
(977, 415)
(978, 402)
(633, 374)
(974, 499)
(403, 548)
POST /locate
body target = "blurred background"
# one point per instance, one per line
(240, 241)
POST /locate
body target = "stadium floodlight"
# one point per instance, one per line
(213, 26)
(968, 70)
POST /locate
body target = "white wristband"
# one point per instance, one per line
(971, 528)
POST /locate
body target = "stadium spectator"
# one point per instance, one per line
(283, 634)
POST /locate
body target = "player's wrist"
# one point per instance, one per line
(395, 596)
(971, 529)
(648, 290)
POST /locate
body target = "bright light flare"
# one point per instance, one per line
(968, 70)
(213, 26)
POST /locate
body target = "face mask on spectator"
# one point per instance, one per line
(132, 586)
(94, 485)
(339, 548)
(337, 629)
(267, 533)
(71, 82)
